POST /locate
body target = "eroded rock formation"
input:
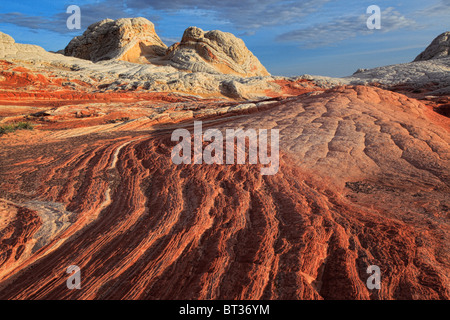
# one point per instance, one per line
(133, 40)
(214, 52)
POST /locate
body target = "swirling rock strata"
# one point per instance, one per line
(351, 191)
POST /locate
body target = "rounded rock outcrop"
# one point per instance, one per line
(128, 39)
(214, 52)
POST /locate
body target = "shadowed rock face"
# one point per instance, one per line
(439, 48)
(133, 40)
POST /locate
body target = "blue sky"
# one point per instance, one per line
(321, 37)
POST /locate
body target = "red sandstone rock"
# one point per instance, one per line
(147, 229)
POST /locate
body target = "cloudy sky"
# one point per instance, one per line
(290, 37)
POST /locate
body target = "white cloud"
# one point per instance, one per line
(328, 33)
(440, 9)
(243, 14)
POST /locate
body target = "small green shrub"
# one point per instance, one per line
(7, 128)
(24, 126)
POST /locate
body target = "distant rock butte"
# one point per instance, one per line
(135, 40)
(439, 48)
